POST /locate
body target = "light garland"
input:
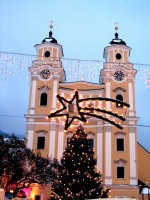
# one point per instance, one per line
(77, 70)
(15, 64)
(86, 111)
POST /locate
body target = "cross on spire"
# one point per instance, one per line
(51, 24)
(116, 26)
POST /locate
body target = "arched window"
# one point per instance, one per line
(120, 141)
(120, 168)
(41, 138)
(43, 100)
(40, 142)
(91, 139)
(70, 108)
(120, 98)
(91, 142)
(91, 105)
(68, 136)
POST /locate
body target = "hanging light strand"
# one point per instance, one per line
(76, 69)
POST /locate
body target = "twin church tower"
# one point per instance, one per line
(115, 149)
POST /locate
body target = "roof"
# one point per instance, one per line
(50, 39)
(116, 40)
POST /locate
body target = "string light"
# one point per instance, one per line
(79, 70)
(86, 111)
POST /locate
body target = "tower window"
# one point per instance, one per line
(40, 142)
(118, 56)
(120, 144)
(70, 108)
(91, 142)
(43, 100)
(47, 54)
(120, 98)
(68, 136)
(120, 172)
(91, 105)
(68, 140)
(37, 197)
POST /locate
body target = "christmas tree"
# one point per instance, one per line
(78, 179)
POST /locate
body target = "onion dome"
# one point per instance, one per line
(50, 39)
(116, 40)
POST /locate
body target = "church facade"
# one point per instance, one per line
(115, 148)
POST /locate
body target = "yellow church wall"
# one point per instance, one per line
(143, 164)
(43, 109)
(124, 191)
(40, 54)
(113, 94)
(44, 152)
(81, 86)
(111, 56)
(111, 51)
(54, 53)
(44, 50)
(125, 56)
(123, 85)
(125, 155)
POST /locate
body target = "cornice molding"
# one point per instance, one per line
(120, 133)
(52, 127)
(90, 133)
(41, 131)
(30, 126)
(44, 87)
(118, 89)
(99, 129)
(61, 128)
(34, 78)
(131, 130)
(108, 128)
(120, 160)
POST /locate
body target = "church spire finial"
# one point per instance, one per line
(51, 26)
(116, 40)
(116, 28)
(50, 39)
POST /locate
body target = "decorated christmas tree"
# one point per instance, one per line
(78, 179)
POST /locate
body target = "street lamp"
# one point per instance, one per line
(145, 190)
(141, 190)
(148, 190)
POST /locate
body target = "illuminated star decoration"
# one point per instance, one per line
(58, 112)
(87, 111)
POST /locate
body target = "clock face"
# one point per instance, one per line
(119, 75)
(45, 74)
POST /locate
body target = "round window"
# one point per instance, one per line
(47, 54)
(118, 56)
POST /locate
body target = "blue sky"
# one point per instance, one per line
(83, 28)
